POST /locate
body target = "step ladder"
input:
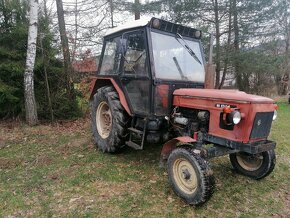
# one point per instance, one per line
(137, 137)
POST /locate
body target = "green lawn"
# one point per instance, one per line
(54, 170)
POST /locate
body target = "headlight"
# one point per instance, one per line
(234, 117)
(275, 114)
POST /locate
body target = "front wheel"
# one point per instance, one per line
(190, 176)
(256, 166)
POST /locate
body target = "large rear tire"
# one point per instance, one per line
(256, 166)
(190, 176)
(109, 120)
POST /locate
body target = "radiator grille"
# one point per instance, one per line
(262, 125)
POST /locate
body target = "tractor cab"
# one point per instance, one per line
(149, 59)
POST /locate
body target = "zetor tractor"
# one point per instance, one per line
(150, 88)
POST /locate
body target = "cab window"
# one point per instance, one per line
(111, 59)
(135, 55)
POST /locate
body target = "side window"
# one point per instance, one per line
(135, 56)
(111, 60)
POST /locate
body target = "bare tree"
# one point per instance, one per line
(227, 47)
(217, 37)
(284, 22)
(30, 103)
(85, 23)
(65, 48)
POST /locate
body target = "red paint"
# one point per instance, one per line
(229, 95)
(171, 144)
(162, 90)
(195, 135)
(118, 89)
(185, 139)
(92, 85)
(248, 105)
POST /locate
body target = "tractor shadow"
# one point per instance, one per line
(150, 155)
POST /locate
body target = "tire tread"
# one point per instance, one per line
(117, 138)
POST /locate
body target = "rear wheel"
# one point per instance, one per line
(109, 120)
(190, 176)
(256, 166)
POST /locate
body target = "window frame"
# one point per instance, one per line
(105, 41)
(153, 67)
(147, 60)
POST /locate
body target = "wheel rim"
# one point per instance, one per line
(250, 162)
(104, 120)
(185, 175)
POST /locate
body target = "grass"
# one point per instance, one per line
(54, 170)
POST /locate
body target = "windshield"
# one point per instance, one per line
(173, 61)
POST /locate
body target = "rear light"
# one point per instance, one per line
(234, 117)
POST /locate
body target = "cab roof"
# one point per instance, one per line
(156, 23)
(129, 25)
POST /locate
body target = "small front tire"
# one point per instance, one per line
(190, 176)
(256, 166)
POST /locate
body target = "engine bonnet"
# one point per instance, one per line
(224, 94)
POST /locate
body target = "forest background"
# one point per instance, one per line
(251, 46)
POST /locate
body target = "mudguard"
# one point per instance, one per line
(169, 146)
(98, 82)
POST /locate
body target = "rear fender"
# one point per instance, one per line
(97, 83)
(169, 146)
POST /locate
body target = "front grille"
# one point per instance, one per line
(262, 125)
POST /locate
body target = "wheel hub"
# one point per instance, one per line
(104, 120)
(250, 162)
(185, 176)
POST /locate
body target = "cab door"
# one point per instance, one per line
(135, 71)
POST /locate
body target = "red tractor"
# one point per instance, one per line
(150, 87)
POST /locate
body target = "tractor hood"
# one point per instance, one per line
(227, 95)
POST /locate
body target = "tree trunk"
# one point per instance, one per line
(137, 9)
(239, 79)
(217, 37)
(228, 46)
(287, 55)
(65, 49)
(76, 32)
(112, 13)
(45, 60)
(30, 103)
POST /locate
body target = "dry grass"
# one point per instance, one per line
(55, 171)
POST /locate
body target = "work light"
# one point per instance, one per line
(156, 23)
